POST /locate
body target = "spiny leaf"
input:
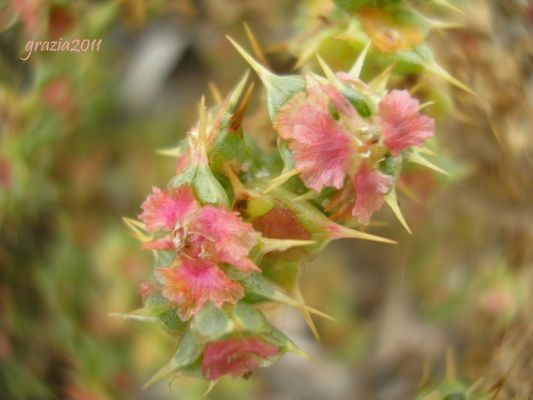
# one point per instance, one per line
(342, 232)
(392, 201)
(310, 195)
(137, 229)
(210, 387)
(355, 71)
(173, 152)
(279, 88)
(258, 285)
(188, 351)
(215, 92)
(237, 92)
(306, 314)
(291, 347)
(415, 157)
(379, 83)
(269, 245)
(328, 71)
(255, 44)
(133, 317)
(280, 180)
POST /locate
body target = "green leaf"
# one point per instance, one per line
(184, 178)
(208, 189)
(188, 352)
(279, 88)
(248, 318)
(171, 322)
(211, 323)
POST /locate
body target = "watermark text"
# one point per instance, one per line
(74, 45)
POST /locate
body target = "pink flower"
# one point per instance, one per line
(163, 210)
(322, 148)
(209, 233)
(235, 356)
(28, 11)
(401, 123)
(225, 237)
(194, 282)
(370, 187)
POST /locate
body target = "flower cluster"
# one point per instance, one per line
(333, 136)
(231, 229)
(202, 238)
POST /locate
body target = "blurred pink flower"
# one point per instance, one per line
(28, 11)
(194, 282)
(401, 123)
(235, 356)
(5, 173)
(370, 186)
(59, 95)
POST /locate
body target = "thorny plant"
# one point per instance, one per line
(233, 227)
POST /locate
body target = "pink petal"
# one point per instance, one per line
(401, 123)
(321, 147)
(196, 282)
(370, 187)
(227, 238)
(289, 115)
(162, 210)
(235, 356)
(321, 150)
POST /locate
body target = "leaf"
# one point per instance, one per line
(188, 351)
(280, 180)
(170, 320)
(256, 284)
(392, 201)
(207, 188)
(416, 158)
(185, 178)
(355, 71)
(211, 323)
(249, 319)
(268, 245)
(279, 88)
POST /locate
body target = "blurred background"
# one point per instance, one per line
(449, 307)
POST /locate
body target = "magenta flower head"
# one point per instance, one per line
(235, 356)
(321, 147)
(341, 127)
(194, 282)
(206, 233)
(370, 186)
(401, 123)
